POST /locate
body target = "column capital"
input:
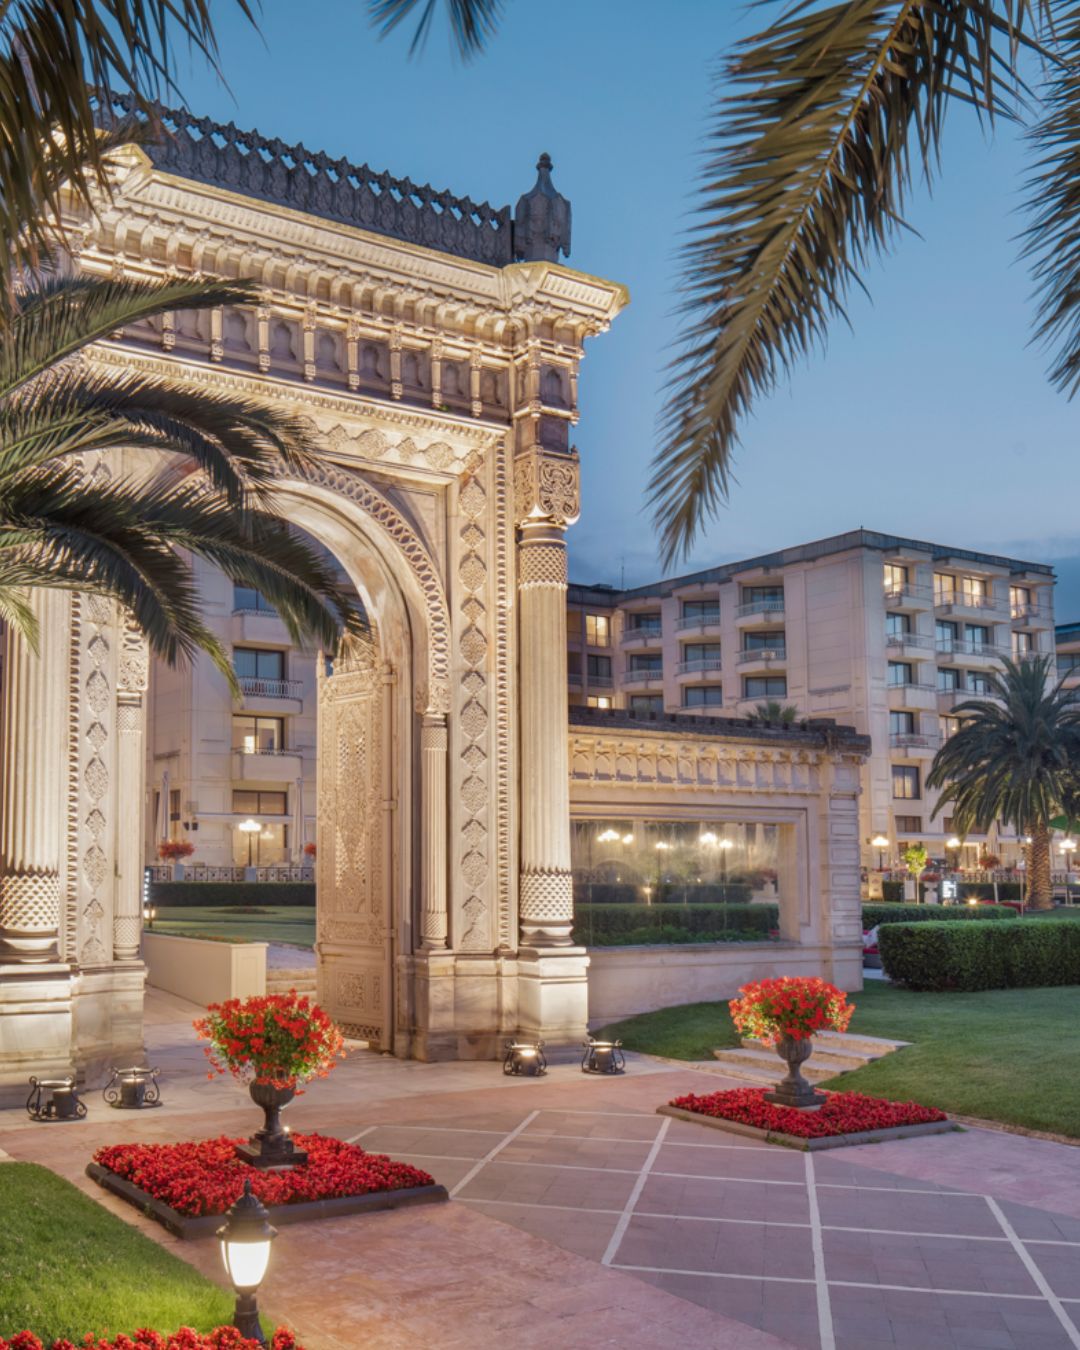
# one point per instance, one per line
(546, 487)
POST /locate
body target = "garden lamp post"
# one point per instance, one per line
(1068, 846)
(954, 844)
(251, 828)
(881, 844)
(245, 1239)
(724, 846)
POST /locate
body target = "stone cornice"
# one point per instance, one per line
(832, 741)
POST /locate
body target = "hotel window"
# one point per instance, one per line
(258, 735)
(975, 588)
(644, 623)
(948, 726)
(703, 696)
(896, 578)
(763, 595)
(945, 634)
(1019, 599)
(900, 672)
(598, 701)
(253, 663)
(646, 703)
(763, 642)
(944, 588)
(901, 724)
(649, 664)
(978, 635)
(246, 599)
(1022, 644)
(248, 803)
(598, 669)
(573, 667)
(896, 624)
(948, 679)
(905, 782)
(703, 654)
(765, 686)
(573, 622)
(598, 630)
(977, 683)
(702, 611)
(908, 825)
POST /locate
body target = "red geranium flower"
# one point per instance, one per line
(283, 1039)
(841, 1113)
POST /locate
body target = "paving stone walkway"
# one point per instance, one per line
(580, 1218)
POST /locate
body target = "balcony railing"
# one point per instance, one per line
(260, 688)
(911, 684)
(705, 665)
(766, 654)
(205, 872)
(966, 647)
(911, 740)
(772, 607)
(698, 620)
(573, 677)
(967, 600)
(642, 674)
(909, 640)
(643, 633)
(897, 595)
(1030, 609)
(599, 681)
(259, 750)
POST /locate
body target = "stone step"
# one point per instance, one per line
(767, 1066)
(281, 981)
(841, 1059)
(874, 1046)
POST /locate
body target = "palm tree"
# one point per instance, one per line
(775, 713)
(52, 57)
(127, 537)
(1015, 759)
(819, 123)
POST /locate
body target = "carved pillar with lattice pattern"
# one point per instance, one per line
(132, 680)
(32, 786)
(546, 500)
(434, 744)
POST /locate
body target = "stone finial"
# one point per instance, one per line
(542, 220)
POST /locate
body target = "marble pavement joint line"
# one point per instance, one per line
(1068, 1325)
(824, 1304)
(354, 1137)
(639, 1185)
(507, 1139)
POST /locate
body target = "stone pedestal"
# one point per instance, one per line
(553, 994)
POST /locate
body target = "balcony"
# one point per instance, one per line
(949, 647)
(573, 678)
(599, 681)
(908, 597)
(912, 694)
(254, 687)
(912, 742)
(259, 625)
(648, 635)
(708, 667)
(1029, 611)
(911, 641)
(771, 611)
(644, 679)
(761, 656)
(688, 622)
(956, 602)
(267, 766)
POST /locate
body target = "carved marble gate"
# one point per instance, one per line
(353, 866)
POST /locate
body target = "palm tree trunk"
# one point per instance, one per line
(1042, 886)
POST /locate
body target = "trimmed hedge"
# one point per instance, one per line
(214, 893)
(875, 912)
(969, 957)
(624, 925)
(666, 893)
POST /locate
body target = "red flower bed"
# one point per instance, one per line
(206, 1177)
(223, 1338)
(841, 1113)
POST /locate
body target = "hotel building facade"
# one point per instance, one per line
(879, 632)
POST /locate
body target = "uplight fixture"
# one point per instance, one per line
(54, 1099)
(525, 1059)
(603, 1057)
(132, 1089)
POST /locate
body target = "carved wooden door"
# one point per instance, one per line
(352, 861)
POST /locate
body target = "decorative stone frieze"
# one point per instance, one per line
(546, 487)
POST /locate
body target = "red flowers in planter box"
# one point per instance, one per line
(206, 1177)
(793, 1006)
(841, 1113)
(222, 1338)
(283, 1039)
(172, 850)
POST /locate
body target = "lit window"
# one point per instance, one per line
(905, 782)
(896, 578)
(598, 701)
(598, 630)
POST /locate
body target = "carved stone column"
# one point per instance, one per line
(132, 680)
(32, 786)
(546, 496)
(433, 764)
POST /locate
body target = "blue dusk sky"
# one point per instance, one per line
(932, 417)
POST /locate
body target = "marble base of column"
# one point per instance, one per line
(30, 917)
(546, 898)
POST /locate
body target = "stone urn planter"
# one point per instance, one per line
(272, 1146)
(793, 1089)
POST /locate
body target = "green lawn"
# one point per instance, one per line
(1006, 1054)
(68, 1266)
(272, 923)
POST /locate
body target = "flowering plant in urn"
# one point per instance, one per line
(786, 1013)
(273, 1044)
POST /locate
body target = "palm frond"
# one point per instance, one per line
(816, 125)
(52, 54)
(1052, 239)
(472, 22)
(18, 614)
